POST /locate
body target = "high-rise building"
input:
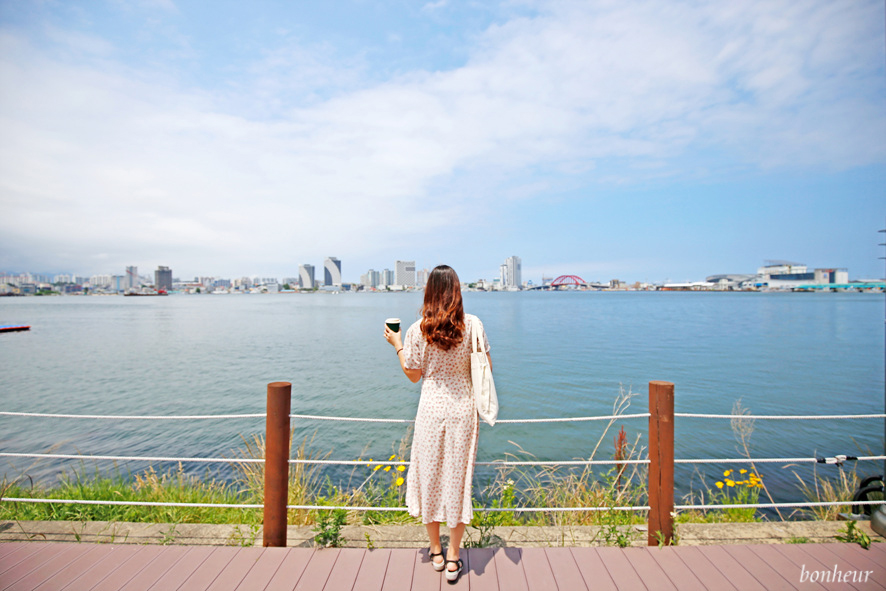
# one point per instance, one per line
(332, 271)
(421, 277)
(386, 278)
(512, 273)
(132, 280)
(306, 276)
(370, 279)
(404, 273)
(163, 279)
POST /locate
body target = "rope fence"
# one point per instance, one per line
(660, 460)
(838, 460)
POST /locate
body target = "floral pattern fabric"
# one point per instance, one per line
(444, 443)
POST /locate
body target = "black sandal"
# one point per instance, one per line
(438, 566)
(452, 575)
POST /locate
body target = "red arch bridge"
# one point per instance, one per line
(565, 282)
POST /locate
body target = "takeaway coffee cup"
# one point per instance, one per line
(393, 324)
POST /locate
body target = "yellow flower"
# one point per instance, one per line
(719, 485)
(376, 468)
(399, 481)
(730, 482)
(727, 472)
(742, 471)
(392, 457)
(387, 468)
(369, 463)
(401, 468)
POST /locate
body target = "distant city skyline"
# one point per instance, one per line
(644, 140)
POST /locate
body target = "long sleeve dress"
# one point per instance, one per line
(444, 443)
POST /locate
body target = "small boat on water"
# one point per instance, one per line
(14, 328)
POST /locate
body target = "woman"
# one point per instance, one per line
(437, 349)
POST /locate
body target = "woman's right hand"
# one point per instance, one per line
(394, 338)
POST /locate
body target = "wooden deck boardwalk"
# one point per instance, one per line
(70, 566)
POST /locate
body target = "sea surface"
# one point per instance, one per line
(560, 354)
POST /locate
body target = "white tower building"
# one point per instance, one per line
(332, 271)
(306, 276)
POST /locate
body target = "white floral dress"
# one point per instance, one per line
(444, 444)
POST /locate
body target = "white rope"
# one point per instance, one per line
(484, 509)
(306, 417)
(350, 419)
(130, 503)
(504, 421)
(132, 417)
(308, 507)
(133, 458)
(299, 461)
(576, 419)
(495, 463)
(779, 417)
(835, 460)
(780, 505)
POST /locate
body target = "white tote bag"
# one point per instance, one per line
(481, 374)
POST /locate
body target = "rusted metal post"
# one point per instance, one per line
(661, 463)
(276, 463)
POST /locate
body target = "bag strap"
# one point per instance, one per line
(475, 335)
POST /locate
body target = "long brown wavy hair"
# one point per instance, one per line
(443, 315)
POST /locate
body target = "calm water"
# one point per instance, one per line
(555, 354)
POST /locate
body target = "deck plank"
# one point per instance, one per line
(783, 565)
(850, 557)
(371, 576)
(677, 571)
(509, 567)
(237, 568)
(25, 551)
(649, 570)
(482, 573)
(168, 558)
(593, 570)
(263, 570)
(620, 569)
(72, 570)
(567, 575)
(47, 566)
(424, 577)
(730, 569)
(129, 569)
(183, 568)
(290, 570)
(769, 577)
(41, 561)
(7, 548)
(401, 565)
(343, 575)
(716, 576)
(538, 570)
(112, 558)
(318, 570)
(209, 570)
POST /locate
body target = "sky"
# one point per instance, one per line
(641, 140)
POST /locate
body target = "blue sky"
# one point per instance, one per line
(644, 140)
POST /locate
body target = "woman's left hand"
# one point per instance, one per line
(393, 337)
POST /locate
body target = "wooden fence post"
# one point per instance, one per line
(661, 463)
(276, 463)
